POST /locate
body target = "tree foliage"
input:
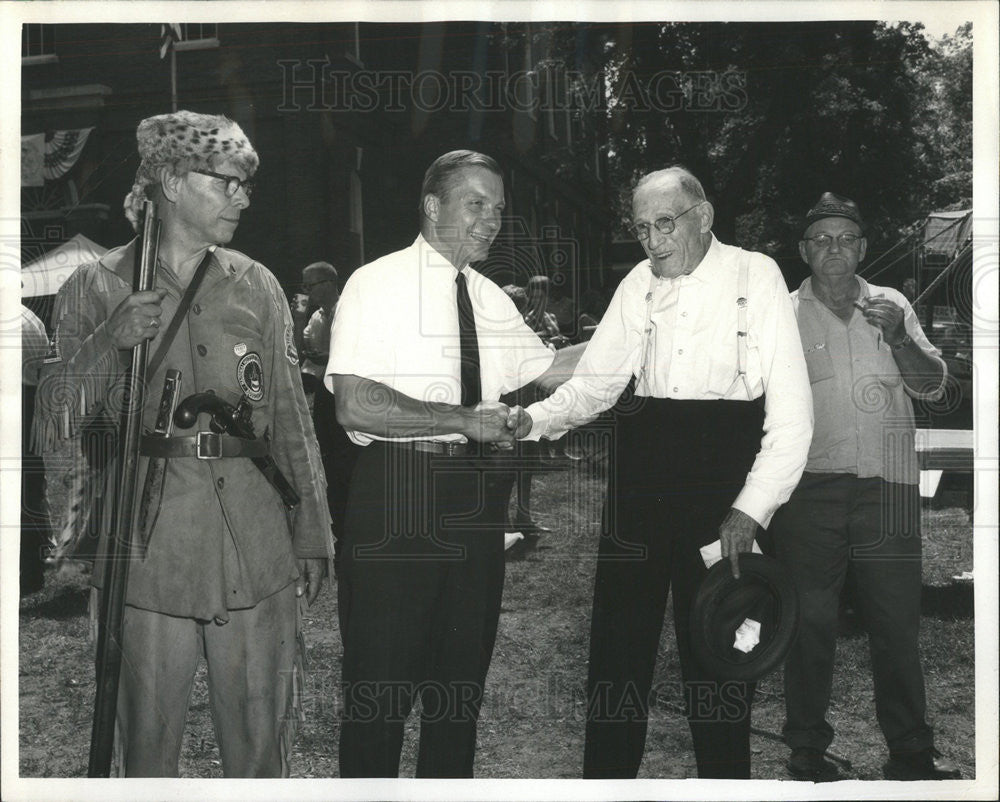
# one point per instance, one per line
(770, 115)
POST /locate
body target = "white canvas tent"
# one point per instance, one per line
(46, 274)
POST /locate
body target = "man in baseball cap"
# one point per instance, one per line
(221, 565)
(857, 506)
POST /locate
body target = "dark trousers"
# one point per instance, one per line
(421, 580)
(678, 467)
(835, 524)
(338, 453)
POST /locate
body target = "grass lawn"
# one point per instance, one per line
(533, 717)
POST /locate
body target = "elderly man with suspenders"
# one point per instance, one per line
(714, 441)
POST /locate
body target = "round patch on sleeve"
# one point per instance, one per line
(250, 375)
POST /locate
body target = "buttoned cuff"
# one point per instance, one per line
(757, 504)
(540, 420)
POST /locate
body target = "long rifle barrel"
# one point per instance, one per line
(119, 543)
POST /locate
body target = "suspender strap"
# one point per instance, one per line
(179, 315)
(644, 382)
(741, 321)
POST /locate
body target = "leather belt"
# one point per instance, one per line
(203, 445)
(443, 448)
(446, 448)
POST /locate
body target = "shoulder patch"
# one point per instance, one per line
(250, 375)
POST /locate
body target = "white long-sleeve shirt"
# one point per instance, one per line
(677, 336)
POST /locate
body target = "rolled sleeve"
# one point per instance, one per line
(913, 328)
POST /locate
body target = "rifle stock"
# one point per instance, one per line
(119, 544)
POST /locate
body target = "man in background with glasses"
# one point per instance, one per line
(313, 314)
(713, 443)
(218, 563)
(857, 508)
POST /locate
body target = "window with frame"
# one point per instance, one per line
(38, 43)
(198, 36)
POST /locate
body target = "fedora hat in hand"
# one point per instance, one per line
(741, 629)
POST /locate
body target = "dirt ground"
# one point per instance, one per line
(533, 717)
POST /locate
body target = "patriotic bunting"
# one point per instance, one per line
(43, 161)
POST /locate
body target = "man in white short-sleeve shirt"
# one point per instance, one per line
(422, 347)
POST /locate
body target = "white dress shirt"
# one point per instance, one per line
(677, 336)
(397, 323)
(316, 338)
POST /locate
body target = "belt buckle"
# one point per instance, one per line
(208, 445)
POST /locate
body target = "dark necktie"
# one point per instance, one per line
(472, 391)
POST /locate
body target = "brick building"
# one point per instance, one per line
(346, 117)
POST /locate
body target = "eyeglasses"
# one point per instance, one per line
(233, 183)
(825, 240)
(665, 225)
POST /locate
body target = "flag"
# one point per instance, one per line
(169, 33)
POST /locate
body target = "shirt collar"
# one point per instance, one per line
(706, 270)
(807, 293)
(121, 261)
(430, 258)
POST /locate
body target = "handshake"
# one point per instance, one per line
(493, 422)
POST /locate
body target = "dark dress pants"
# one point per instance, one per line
(421, 580)
(835, 524)
(338, 453)
(678, 467)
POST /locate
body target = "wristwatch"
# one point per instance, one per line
(907, 339)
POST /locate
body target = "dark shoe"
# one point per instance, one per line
(810, 765)
(927, 764)
(532, 528)
(520, 549)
